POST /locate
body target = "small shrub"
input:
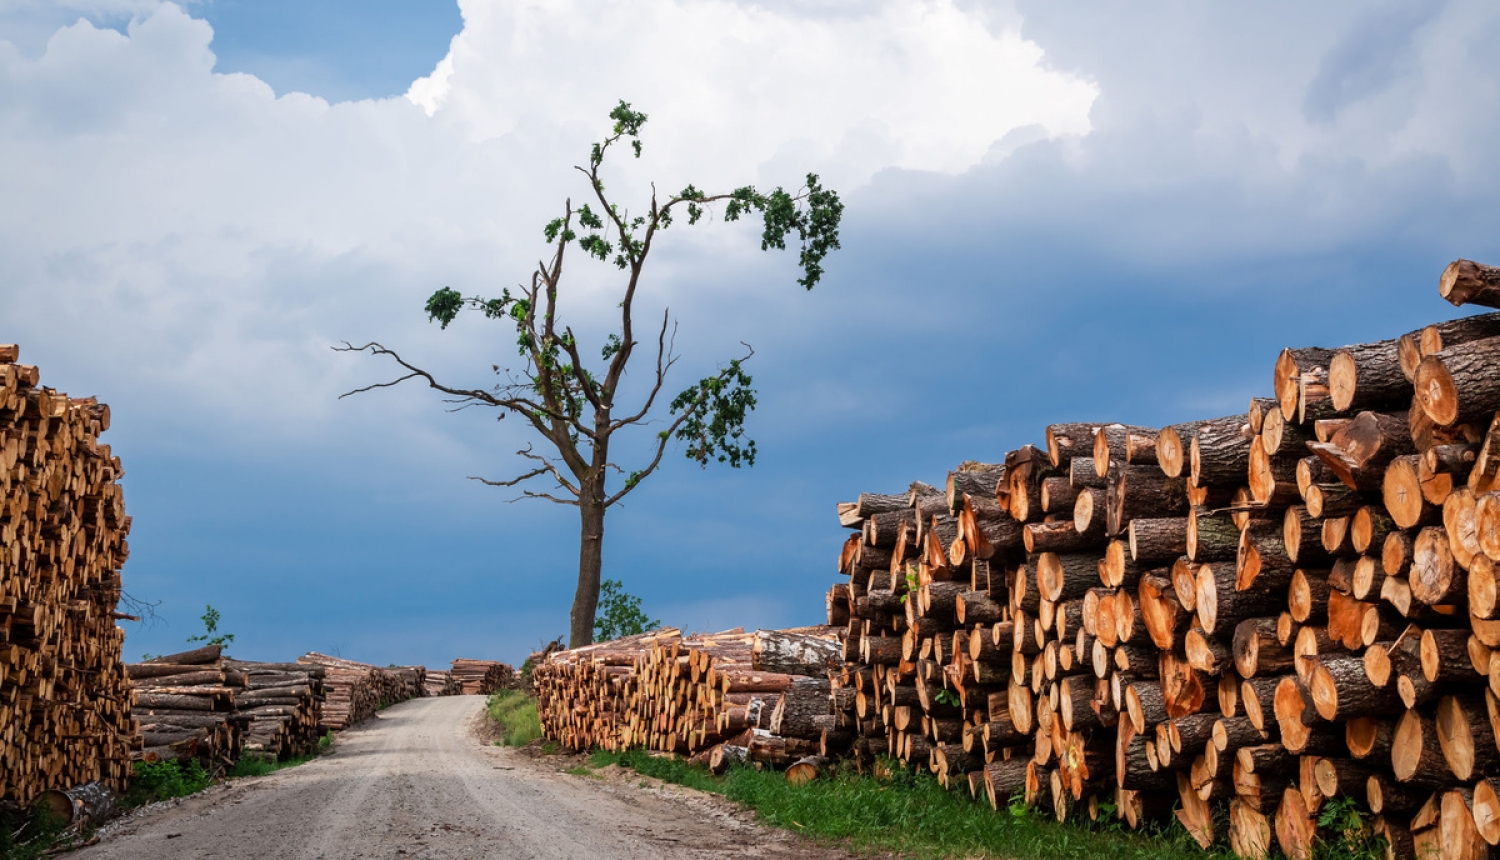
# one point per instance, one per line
(164, 780)
(515, 712)
(1352, 836)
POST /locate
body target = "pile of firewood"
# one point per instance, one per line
(440, 682)
(64, 698)
(1261, 611)
(354, 691)
(483, 677)
(185, 706)
(731, 695)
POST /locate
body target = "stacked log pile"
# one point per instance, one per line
(64, 698)
(1240, 617)
(185, 705)
(1258, 612)
(440, 682)
(354, 691)
(483, 677)
(763, 695)
(285, 704)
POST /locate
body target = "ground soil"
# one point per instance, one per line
(421, 780)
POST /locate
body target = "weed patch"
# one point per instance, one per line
(515, 713)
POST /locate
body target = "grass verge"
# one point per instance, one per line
(515, 713)
(912, 815)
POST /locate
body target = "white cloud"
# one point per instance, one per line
(220, 237)
(729, 84)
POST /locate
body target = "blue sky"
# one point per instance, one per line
(1055, 212)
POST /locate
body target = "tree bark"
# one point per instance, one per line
(1366, 375)
(590, 563)
(1220, 451)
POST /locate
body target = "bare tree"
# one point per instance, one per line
(574, 409)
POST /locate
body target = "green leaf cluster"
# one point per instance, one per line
(619, 613)
(714, 413)
(210, 628)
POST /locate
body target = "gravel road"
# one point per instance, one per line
(417, 782)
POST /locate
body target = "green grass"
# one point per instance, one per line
(251, 764)
(515, 712)
(913, 815)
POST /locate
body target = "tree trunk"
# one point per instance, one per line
(590, 564)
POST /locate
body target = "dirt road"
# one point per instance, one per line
(418, 783)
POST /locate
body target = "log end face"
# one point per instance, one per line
(1436, 392)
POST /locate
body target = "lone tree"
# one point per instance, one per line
(573, 408)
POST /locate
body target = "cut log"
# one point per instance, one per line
(1296, 831)
(1416, 755)
(1457, 384)
(1465, 282)
(1366, 375)
(1211, 536)
(1340, 690)
(1401, 491)
(1434, 577)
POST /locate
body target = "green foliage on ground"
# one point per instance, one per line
(28, 836)
(515, 714)
(164, 780)
(913, 815)
(251, 764)
(619, 613)
(1350, 834)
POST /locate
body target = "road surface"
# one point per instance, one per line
(418, 783)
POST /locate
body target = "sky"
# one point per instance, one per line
(1054, 212)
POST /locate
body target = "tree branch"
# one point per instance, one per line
(664, 362)
(662, 439)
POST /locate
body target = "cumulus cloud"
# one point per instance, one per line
(224, 235)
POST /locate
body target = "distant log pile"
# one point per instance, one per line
(440, 682)
(185, 705)
(764, 696)
(1246, 615)
(285, 704)
(483, 677)
(354, 691)
(64, 699)
(199, 705)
